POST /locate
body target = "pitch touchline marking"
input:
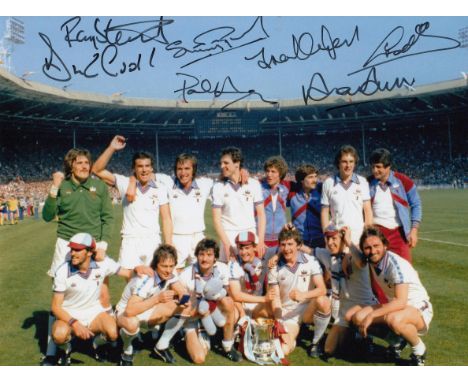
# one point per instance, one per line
(445, 230)
(444, 242)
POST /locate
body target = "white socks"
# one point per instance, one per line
(172, 327)
(320, 326)
(127, 339)
(419, 348)
(227, 345)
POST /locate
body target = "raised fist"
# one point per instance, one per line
(57, 178)
(118, 142)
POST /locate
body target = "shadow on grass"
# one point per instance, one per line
(40, 320)
(358, 351)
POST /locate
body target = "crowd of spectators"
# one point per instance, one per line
(27, 162)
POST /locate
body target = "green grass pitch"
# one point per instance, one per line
(441, 258)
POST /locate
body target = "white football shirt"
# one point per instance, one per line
(237, 203)
(141, 217)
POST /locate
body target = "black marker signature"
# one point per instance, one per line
(118, 35)
(390, 48)
(318, 89)
(196, 86)
(304, 47)
(55, 67)
(219, 40)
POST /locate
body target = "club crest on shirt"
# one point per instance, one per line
(198, 195)
(154, 199)
(73, 285)
(97, 276)
(248, 195)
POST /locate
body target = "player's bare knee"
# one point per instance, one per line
(394, 322)
(323, 304)
(60, 334)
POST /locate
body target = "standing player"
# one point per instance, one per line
(346, 196)
(234, 205)
(275, 196)
(149, 302)
(140, 226)
(298, 292)
(305, 206)
(247, 275)
(82, 204)
(187, 200)
(76, 300)
(396, 204)
(408, 312)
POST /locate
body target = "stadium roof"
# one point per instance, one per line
(27, 103)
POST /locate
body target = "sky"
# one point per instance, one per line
(273, 58)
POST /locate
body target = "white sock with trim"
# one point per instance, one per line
(320, 326)
(127, 339)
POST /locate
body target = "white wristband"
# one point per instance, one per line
(101, 245)
(53, 191)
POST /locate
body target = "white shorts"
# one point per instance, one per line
(86, 316)
(137, 251)
(249, 307)
(185, 245)
(223, 257)
(60, 254)
(425, 307)
(294, 314)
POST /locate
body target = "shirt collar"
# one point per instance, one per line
(73, 271)
(86, 184)
(150, 184)
(391, 178)
(301, 259)
(157, 281)
(380, 267)
(193, 186)
(354, 178)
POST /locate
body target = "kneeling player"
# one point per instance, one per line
(408, 311)
(75, 302)
(149, 302)
(347, 290)
(194, 278)
(298, 291)
(247, 279)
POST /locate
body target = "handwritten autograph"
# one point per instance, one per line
(318, 89)
(107, 37)
(305, 47)
(219, 40)
(218, 89)
(390, 48)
